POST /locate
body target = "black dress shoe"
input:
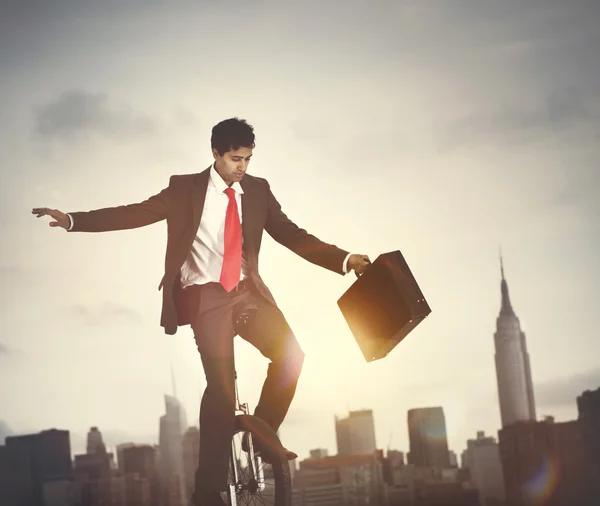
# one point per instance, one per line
(207, 497)
(289, 455)
(265, 456)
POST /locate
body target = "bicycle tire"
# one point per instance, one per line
(280, 494)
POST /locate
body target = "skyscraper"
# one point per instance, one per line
(95, 443)
(482, 458)
(29, 461)
(140, 461)
(120, 450)
(513, 370)
(191, 456)
(588, 406)
(544, 463)
(427, 438)
(173, 425)
(355, 435)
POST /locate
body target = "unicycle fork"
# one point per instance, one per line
(256, 472)
(251, 480)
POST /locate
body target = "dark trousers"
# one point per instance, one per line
(268, 331)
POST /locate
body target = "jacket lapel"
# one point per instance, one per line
(248, 214)
(198, 197)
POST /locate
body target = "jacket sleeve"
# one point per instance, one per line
(288, 234)
(124, 217)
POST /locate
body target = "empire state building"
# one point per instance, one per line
(513, 371)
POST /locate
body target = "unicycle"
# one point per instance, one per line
(251, 480)
(259, 472)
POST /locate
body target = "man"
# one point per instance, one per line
(215, 223)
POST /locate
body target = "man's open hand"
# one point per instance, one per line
(61, 219)
(358, 263)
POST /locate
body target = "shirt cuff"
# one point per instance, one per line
(71, 221)
(345, 266)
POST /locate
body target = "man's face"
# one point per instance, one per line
(233, 164)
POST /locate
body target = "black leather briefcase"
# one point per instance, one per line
(383, 305)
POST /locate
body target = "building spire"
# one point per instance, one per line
(506, 307)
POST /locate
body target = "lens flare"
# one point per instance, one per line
(542, 484)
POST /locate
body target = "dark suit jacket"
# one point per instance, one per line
(181, 204)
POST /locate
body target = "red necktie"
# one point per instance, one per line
(232, 257)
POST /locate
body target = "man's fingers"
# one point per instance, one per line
(44, 211)
(364, 264)
(41, 211)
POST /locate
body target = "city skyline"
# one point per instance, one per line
(433, 430)
(506, 311)
(516, 467)
(439, 128)
(172, 405)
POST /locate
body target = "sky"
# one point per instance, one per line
(445, 129)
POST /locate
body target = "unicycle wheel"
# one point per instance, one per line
(251, 480)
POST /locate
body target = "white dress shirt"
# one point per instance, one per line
(205, 259)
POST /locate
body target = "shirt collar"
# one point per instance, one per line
(221, 185)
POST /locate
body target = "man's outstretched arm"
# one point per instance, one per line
(123, 217)
(287, 233)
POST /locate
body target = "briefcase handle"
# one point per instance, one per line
(359, 275)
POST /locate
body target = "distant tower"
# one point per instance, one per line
(588, 406)
(95, 444)
(513, 371)
(482, 458)
(355, 435)
(191, 455)
(427, 438)
(172, 427)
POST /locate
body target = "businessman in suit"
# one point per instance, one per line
(215, 224)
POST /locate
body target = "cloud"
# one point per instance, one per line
(564, 391)
(562, 111)
(25, 10)
(76, 112)
(108, 313)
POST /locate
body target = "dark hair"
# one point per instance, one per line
(231, 134)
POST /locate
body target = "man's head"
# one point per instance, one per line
(232, 142)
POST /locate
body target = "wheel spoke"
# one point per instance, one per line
(248, 487)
